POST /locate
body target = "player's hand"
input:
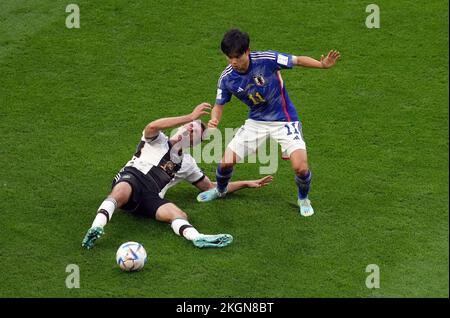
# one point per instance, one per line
(213, 123)
(260, 182)
(199, 110)
(331, 59)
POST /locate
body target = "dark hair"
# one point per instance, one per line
(235, 43)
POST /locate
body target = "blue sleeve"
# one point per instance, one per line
(283, 60)
(223, 94)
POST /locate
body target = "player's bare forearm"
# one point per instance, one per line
(238, 185)
(235, 186)
(307, 61)
(153, 128)
(325, 62)
(216, 115)
(164, 123)
(207, 184)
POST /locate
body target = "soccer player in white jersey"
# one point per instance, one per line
(158, 164)
(255, 79)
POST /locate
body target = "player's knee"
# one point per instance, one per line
(302, 169)
(121, 194)
(226, 165)
(179, 215)
(229, 159)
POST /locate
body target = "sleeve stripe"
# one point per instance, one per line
(264, 58)
(228, 68)
(260, 55)
(262, 52)
(224, 73)
(256, 54)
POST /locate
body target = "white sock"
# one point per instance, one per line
(183, 228)
(104, 212)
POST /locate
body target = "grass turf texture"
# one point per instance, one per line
(74, 102)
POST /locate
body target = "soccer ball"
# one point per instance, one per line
(131, 256)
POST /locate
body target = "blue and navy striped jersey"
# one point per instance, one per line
(260, 87)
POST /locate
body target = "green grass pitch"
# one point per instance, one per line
(73, 103)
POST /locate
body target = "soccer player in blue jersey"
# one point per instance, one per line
(255, 79)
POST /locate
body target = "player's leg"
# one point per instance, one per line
(118, 197)
(224, 173)
(225, 168)
(244, 143)
(303, 176)
(290, 137)
(170, 213)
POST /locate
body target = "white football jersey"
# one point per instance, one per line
(150, 152)
(157, 152)
(189, 172)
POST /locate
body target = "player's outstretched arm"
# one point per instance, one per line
(259, 183)
(216, 114)
(153, 128)
(325, 62)
(206, 184)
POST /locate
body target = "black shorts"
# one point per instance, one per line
(144, 199)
